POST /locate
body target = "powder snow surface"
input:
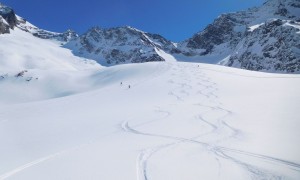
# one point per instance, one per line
(177, 121)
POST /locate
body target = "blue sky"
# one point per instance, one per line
(174, 19)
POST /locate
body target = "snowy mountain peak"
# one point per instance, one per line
(25, 47)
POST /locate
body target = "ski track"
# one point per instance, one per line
(219, 151)
(28, 165)
(180, 92)
(207, 91)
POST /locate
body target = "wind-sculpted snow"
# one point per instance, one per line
(176, 121)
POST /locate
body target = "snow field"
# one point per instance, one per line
(178, 120)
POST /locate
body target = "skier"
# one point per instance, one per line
(121, 83)
(128, 86)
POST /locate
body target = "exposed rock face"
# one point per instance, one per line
(274, 46)
(161, 42)
(9, 15)
(119, 45)
(221, 31)
(4, 26)
(8, 19)
(261, 39)
(64, 37)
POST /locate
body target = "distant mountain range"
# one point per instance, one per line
(265, 38)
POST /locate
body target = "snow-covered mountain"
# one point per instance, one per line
(106, 46)
(24, 46)
(9, 20)
(32, 67)
(262, 39)
(120, 45)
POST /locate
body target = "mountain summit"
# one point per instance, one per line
(119, 45)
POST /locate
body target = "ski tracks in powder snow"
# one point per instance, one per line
(218, 126)
(28, 165)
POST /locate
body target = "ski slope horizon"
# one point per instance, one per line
(178, 120)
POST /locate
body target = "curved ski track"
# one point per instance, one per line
(208, 90)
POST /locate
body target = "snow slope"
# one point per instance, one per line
(176, 121)
(33, 69)
(20, 50)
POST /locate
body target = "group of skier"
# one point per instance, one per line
(122, 84)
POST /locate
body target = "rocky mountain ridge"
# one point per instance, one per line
(120, 45)
(264, 38)
(64, 37)
(261, 39)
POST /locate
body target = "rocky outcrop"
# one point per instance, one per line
(222, 30)
(8, 19)
(272, 47)
(9, 15)
(262, 39)
(4, 26)
(63, 37)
